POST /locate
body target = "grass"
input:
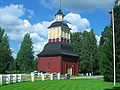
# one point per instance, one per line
(71, 84)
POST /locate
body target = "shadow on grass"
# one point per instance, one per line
(115, 88)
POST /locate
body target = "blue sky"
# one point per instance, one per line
(34, 16)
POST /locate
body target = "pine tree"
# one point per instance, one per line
(106, 49)
(1, 34)
(35, 64)
(5, 53)
(106, 54)
(85, 45)
(94, 63)
(76, 44)
(25, 55)
(88, 58)
(117, 40)
(84, 58)
(76, 41)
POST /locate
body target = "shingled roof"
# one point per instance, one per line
(58, 48)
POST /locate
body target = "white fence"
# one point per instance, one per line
(46, 76)
(10, 78)
(88, 74)
(14, 78)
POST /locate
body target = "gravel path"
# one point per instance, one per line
(85, 77)
(94, 77)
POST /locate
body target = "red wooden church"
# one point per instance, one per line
(58, 55)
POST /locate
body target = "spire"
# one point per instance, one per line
(60, 10)
(60, 6)
(59, 15)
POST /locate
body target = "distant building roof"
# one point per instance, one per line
(58, 23)
(58, 48)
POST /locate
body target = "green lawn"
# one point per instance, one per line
(75, 84)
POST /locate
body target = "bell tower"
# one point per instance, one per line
(59, 31)
(58, 56)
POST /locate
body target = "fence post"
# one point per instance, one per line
(87, 74)
(58, 76)
(1, 80)
(8, 79)
(14, 78)
(38, 74)
(51, 76)
(90, 74)
(19, 78)
(32, 77)
(43, 77)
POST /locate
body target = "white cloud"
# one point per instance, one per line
(14, 55)
(36, 37)
(12, 10)
(26, 23)
(31, 13)
(79, 5)
(39, 45)
(77, 23)
(16, 28)
(41, 28)
(12, 49)
(98, 38)
(74, 28)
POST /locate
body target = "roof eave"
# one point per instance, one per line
(47, 55)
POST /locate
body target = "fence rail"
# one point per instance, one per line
(14, 78)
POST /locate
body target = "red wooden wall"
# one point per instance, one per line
(58, 64)
(49, 64)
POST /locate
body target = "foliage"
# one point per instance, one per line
(76, 43)
(116, 2)
(1, 34)
(6, 58)
(85, 44)
(88, 58)
(106, 54)
(35, 64)
(106, 49)
(24, 60)
(117, 40)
